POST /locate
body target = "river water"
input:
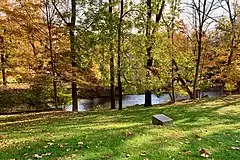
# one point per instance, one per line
(131, 100)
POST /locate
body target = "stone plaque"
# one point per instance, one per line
(161, 119)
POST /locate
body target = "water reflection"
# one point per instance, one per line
(131, 100)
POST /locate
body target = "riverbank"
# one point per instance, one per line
(19, 98)
(212, 125)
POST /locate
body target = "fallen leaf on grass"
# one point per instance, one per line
(45, 146)
(37, 156)
(66, 135)
(235, 148)
(143, 154)
(128, 133)
(186, 141)
(60, 145)
(226, 134)
(198, 137)
(127, 155)
(46, 154)
(50, 143)
(186, 152)
(106, 156)
(202, 150)
(25, 154)
(80, 143)
(68, 149)
(204, 153)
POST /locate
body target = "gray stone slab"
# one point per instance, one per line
(161, 119)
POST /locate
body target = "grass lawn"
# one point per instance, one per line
(212, 125)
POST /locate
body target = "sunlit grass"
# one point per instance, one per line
(126, 134)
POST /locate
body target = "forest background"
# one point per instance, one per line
(55, 51)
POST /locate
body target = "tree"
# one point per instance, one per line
(119, 54)
(150, 31)
(201, 13)
(228, 42)
(112, 72)
(232, 15)
(170, 30)
(50, 12)
(71, 27)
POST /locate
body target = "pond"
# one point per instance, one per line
(131, 100)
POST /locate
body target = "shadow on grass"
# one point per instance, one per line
(218, 144)
(115, 133)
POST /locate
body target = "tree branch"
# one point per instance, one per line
(60, 14)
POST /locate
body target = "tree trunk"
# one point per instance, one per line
(202, 10)
(174, 6)
(172, 95)
(3, 70)
(2, 61)
(71, 27)
(197, 65)
(73, 56)
(230, 57)
(112, 74)
(150, 42)
(53, 55)
(148, 94)
(55, 93)
(173, 90)
(119, 56)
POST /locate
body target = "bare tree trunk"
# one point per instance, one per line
(148, 96)
(112, 74)
(119, 56)
(174, 6)
(73, 54)
(197, 65)
(74, 84)
(150, 42)
(3, 70)
(172, 95)
(53, 55)
(3, 61)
